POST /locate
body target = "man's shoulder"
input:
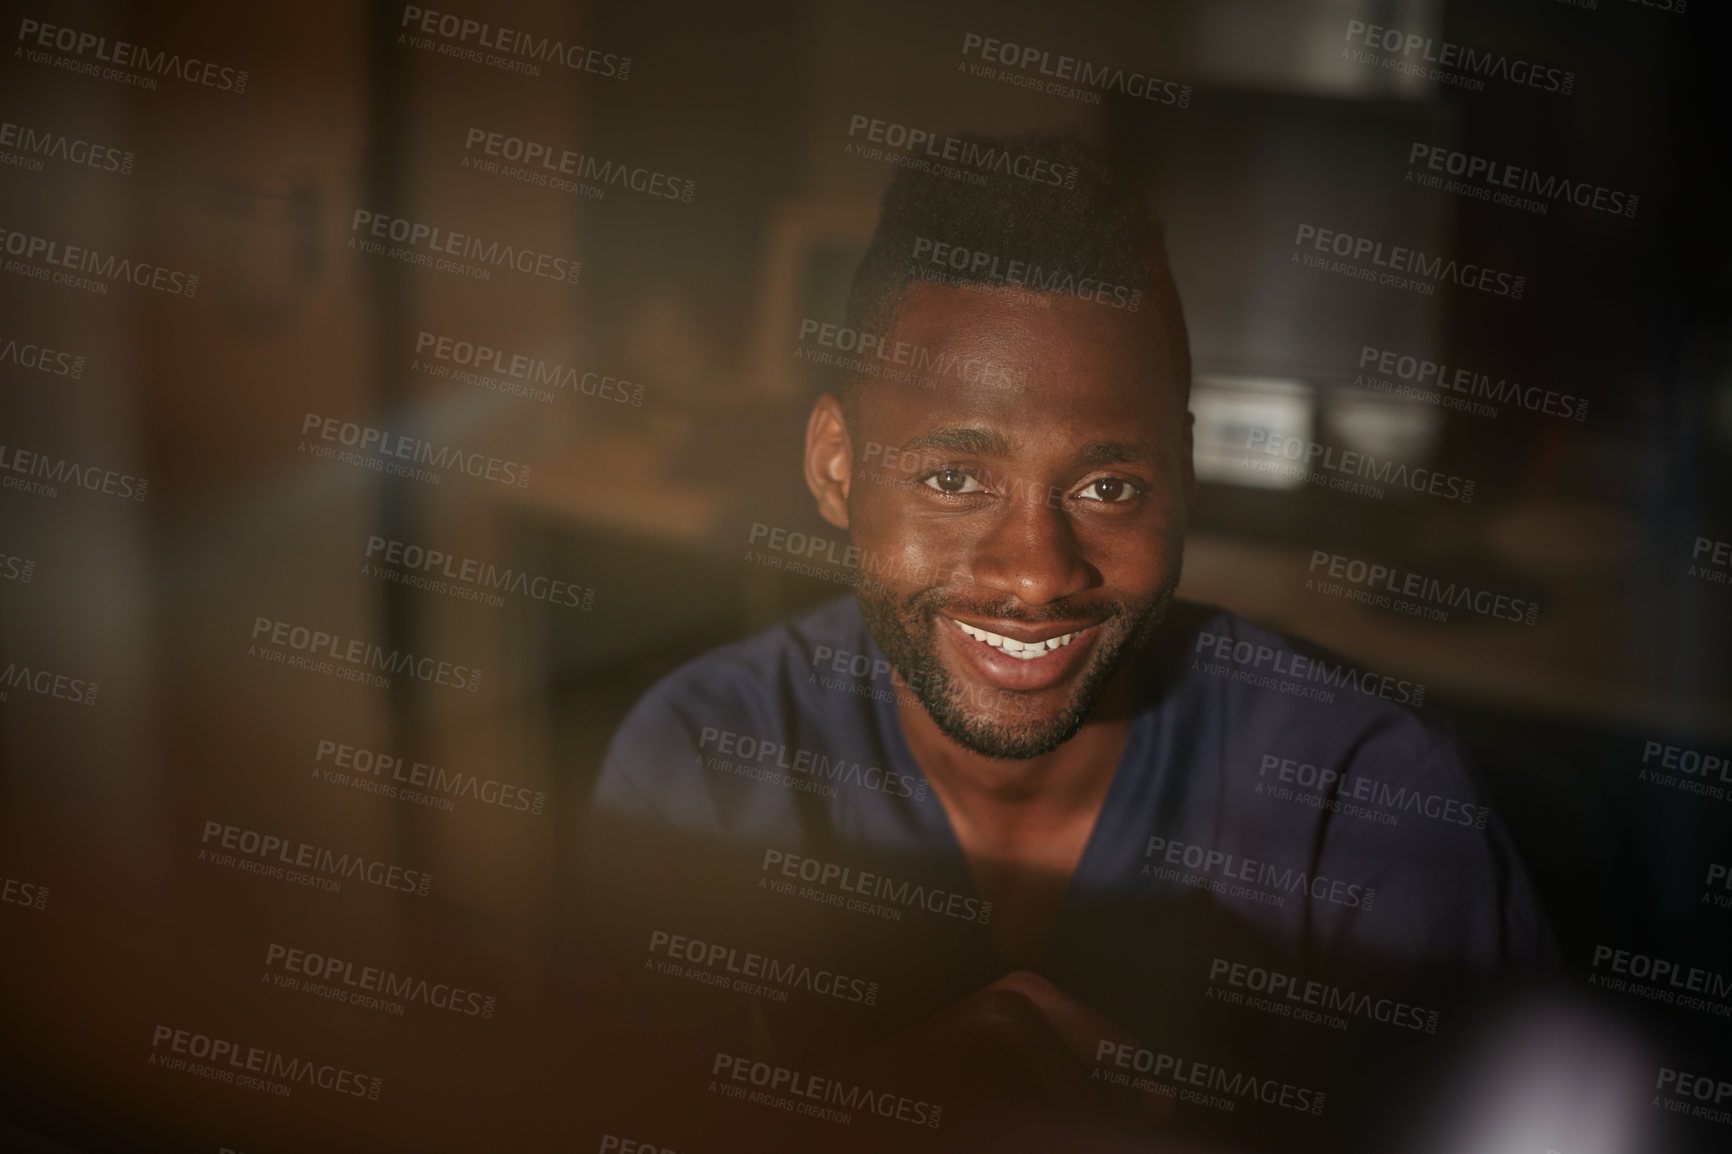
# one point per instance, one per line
(758, 672)
(1220, 643)
(1292, 699)
(1342, 760)
(739, 705)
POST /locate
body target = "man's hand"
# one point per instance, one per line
(1018, 1055)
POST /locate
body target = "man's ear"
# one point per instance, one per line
(829, 460)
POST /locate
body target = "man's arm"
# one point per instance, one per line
(1452, 896)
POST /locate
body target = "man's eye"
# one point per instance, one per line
(954, 481)
(1109, 489)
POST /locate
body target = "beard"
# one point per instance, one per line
(906, 629)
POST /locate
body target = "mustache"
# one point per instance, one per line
(928, 602)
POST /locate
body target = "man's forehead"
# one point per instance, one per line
(1020, 341)
(983, 439)
(1011, 354)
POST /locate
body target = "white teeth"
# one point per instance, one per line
(1027, 651)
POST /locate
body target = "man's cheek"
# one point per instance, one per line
(1166, 547)
(906, 550)
(1137, 561)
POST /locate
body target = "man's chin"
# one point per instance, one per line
(989, 737)
(994, 722)
(988, 719)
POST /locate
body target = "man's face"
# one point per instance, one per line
(1019, 538)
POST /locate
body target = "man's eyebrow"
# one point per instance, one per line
(966, 441)
(1116, 453)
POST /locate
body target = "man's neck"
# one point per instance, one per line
(1023, 824)
(992, 793)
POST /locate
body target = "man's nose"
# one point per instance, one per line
(1032, 552)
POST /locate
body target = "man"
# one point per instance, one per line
(1094, 858)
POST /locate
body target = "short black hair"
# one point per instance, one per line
(1043, 212)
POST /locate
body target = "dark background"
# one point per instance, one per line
(653, 507)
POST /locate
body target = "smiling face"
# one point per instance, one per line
(1018, 538)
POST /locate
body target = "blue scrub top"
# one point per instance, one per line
(1292, 865)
